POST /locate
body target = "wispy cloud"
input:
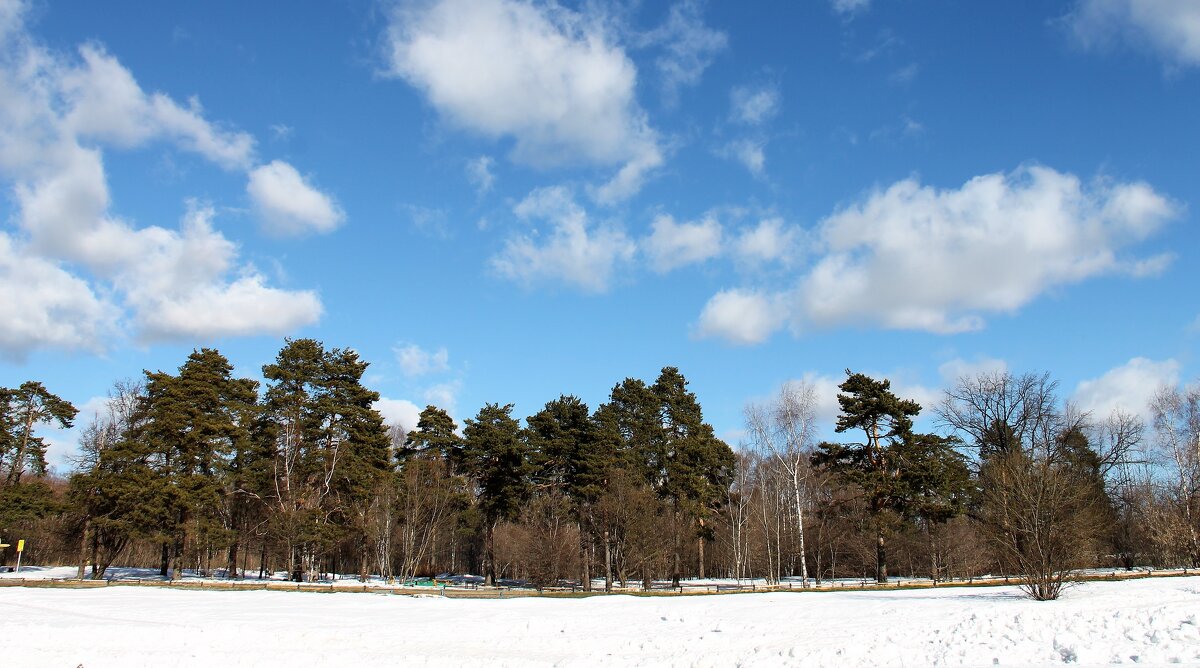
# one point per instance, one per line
(574, 249)
(1169, 28)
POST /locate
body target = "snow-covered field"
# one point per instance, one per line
(1152, 621)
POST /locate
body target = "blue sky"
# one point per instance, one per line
(498, 200)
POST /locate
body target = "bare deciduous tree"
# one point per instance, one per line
(784, 430)
(977, 404)
(1043, 518)
(1177, 438)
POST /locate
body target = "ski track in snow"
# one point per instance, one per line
(1141, 622)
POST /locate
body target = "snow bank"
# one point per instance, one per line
(1155, 621)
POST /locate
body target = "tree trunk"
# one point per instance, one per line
(677, 564)
(363, 552)
(799, 522)
(608, 577)
(585, 560)
(95, 555)
(83, 547)
(164, 565)
(18, 462)
(933, 555)
(881, 574)
(177, 559)
(294, 567)
(489, 555)
(231, 565)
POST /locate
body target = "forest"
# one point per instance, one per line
(198, 469)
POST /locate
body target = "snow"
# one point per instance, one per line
(1148, 622)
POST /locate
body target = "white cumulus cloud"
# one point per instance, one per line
(915, 257)
(444, 395)
(771, 240)
(289, 203)
(106, 103)
(547, 77)
(750, 152)
(848, 7)
(574, 250)
(60, 113)
(181, 286)
(672, 245)
(480, 174)
(740, 317)
(1129, 387)
(46, 306)
(398, 412)
(416, 361)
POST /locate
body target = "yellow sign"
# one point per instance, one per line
(21, 545)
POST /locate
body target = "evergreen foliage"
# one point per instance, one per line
(435, 436)
(197, 466)
(900, 473)
(328, 448)
(22, 411)
(496, 457)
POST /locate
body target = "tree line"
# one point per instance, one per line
(199, 469)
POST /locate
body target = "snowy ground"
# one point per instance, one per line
(1152, 621)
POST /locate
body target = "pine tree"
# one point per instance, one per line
(357, 457)
(192, 428)
(624, 430)
(658, 432)
(881, 466)
(328, 448)
(629, 426)
(567, 457)
(432, 495)
(434, 437)
(22, 410)
(938, 483)
(562, 439)
(112, 488)
(695, 468)
(495, 455)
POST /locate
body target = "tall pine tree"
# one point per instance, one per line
(22, 411)
(568, 457)
(695, 468)
(190, 429)
(328, 447)
(495, 455)
(889, 464)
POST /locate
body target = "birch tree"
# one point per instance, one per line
(1176, 416)
(784, 430)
